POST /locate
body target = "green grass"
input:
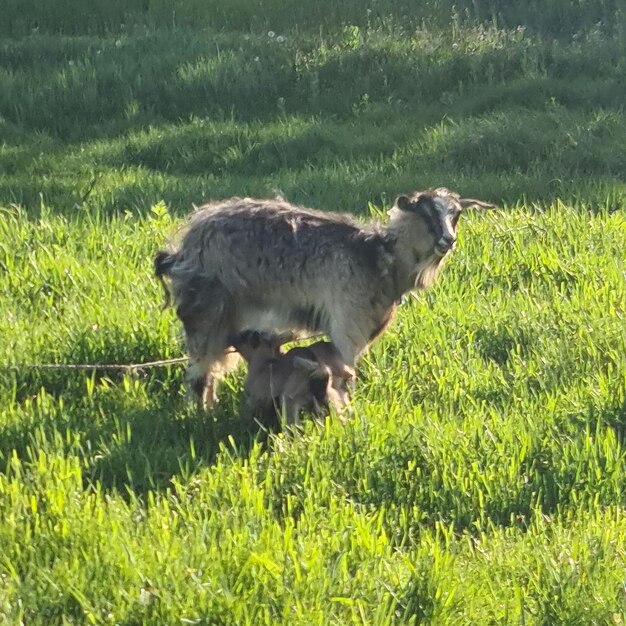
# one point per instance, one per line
(481, 476)
(335, 118)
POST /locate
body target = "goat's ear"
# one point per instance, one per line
(403, 203)
(276, 342)
(467, 203)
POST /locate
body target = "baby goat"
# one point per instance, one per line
(273, 266)
(342, 376)
(304, 379)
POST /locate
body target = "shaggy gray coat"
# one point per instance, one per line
(272, 266)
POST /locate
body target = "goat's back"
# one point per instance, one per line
(250, 244)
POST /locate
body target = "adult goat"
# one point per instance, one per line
(271, 266)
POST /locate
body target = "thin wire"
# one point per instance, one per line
(94, 366)
(104, 366)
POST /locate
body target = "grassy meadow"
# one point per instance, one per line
(481, 477)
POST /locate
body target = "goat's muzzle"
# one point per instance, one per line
(445, 245)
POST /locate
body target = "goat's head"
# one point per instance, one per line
(426, 222)
(343, 376)
(438, 210)
(308, 385)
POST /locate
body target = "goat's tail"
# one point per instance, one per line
(163, 263)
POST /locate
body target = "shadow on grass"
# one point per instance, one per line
(162, 115)
(162, 444)
(129, 436)
(569, 463)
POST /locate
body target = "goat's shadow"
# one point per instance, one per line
(135, 445)
(163, 445)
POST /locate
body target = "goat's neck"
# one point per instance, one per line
(406, 258)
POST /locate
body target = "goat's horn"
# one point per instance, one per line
(470, 202)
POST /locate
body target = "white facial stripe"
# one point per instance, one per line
(448, 229)
(445, 219)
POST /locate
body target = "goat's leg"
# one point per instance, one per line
(204, 310)
(208, 358)
(291, 411)
(205, 372)
(202, 377)
(199, 381)
(349, 342)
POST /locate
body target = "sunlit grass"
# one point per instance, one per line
(487, 429)
(480, 476)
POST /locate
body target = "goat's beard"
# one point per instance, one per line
(427, 271)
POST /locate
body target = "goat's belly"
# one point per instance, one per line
(263, 319)
(301, 320)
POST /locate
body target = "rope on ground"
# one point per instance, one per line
(131, 367)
